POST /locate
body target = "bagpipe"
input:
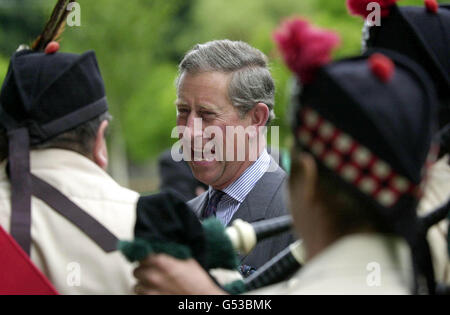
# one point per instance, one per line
(166, 224)
(244, 236)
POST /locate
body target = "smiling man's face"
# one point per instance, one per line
(205, 96)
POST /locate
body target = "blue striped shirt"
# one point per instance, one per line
(240, 188)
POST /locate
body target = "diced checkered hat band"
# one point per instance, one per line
(352, 161)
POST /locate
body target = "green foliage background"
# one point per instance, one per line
(140, 42)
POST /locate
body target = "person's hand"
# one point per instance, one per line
(163, 274)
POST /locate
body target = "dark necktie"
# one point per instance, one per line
(213, 201)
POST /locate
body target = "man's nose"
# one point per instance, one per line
(194, 123)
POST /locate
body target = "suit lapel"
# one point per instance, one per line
(243, 213)
(199, 203)
(255, 205)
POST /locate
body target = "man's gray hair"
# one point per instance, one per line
(251, 82)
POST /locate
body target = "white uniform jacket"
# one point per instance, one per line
(437, 192)
(355, 264)
(72, 261)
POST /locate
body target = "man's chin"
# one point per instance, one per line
(205, 164)
(205, 171)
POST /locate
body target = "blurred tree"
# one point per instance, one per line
(3, 67)
(132, 44)
(153, 106)
(20, 22)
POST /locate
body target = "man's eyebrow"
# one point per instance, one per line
(208, 106)
(180, 103)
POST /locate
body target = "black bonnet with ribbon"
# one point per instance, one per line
(43, 95)
(422, 34)
(368, 121)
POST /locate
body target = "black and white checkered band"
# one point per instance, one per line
(352, 161)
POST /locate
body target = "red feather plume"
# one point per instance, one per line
(382, 67)
(432, 6)
(305, 48)
(359, 7)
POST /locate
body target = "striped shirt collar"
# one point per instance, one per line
(241, 187)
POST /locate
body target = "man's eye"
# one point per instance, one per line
(182, 111)
(207, 113)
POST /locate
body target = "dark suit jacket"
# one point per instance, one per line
(266, 200)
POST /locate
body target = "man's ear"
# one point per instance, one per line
(100, 153)
(259, 115)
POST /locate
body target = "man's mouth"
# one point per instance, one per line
(200, 156)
